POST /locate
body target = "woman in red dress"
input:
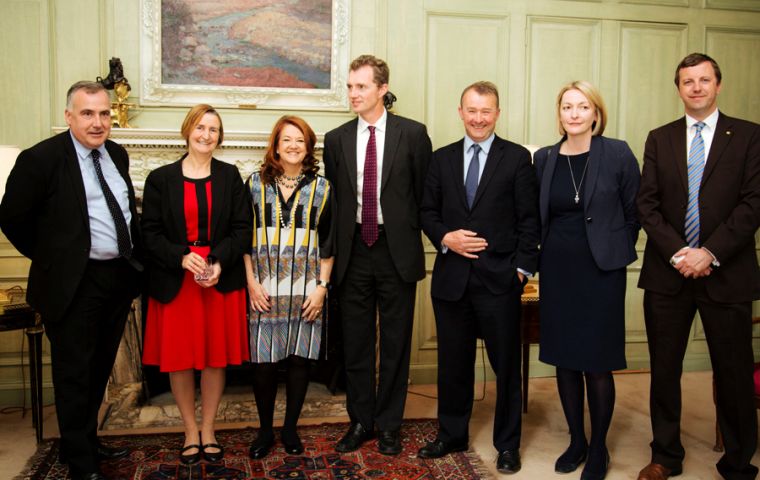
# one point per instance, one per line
(196, 226)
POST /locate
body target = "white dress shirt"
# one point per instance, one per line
(362, 137)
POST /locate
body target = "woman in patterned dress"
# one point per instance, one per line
(288, 270)
(196, 227)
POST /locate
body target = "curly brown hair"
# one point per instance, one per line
(271, 167)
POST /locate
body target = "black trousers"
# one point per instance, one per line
(496, 319)
(728, 329)
(83, 346)
(372, 286)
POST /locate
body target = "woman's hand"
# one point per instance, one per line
(259, 298)
(213, 279)
(312, 307)
(194, 263)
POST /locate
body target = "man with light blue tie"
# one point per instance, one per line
(480, 211)
(699, 203)
(69, 206)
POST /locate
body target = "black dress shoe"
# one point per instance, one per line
(260, 447)
(389, 442)
(438, 448)
(354, 438)
(291, 442)
(111, 453)
(212, 457)
(569, 461)
(508, 461)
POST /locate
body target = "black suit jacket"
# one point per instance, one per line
(44, 215)
(405, 161)
(165, 232)
(729, 207)
(609, 199)
(504, 212)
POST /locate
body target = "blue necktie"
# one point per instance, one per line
(695, 165)
(471, 180)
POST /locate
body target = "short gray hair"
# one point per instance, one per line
(87, 85)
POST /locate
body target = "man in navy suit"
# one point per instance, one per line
(480, 210)
(69, 206)
(699, 203)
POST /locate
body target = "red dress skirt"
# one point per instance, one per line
(200, 327)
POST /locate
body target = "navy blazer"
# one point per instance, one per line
(504, 212)
(165, 231)
(609, 200)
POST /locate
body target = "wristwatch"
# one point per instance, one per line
(322, 283)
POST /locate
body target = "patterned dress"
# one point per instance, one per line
(289, 239)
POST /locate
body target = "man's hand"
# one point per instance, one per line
(464, 242)
(696, 262)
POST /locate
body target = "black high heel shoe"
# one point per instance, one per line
(191, 458)
(212, 457)
(293, 445)
(260, 447)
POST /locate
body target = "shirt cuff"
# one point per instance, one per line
(524, 272)
(715, 261)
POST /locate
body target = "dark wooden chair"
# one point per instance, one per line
(719, 436)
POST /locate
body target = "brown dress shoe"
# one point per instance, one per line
(655, 471)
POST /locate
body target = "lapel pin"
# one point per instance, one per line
(728, 132)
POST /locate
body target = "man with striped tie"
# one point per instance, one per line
(699, 203)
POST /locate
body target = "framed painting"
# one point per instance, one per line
(268, 54)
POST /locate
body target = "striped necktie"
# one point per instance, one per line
(695, 166)
(471, 180)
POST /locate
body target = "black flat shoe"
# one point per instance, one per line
(570, 461)
(354, 438)
(438, 448)
(295, 448)
(260, 448)
(190, 458)
(599, 471)
(509, 462)
(212, 457)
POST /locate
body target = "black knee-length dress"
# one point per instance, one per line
(582, 308)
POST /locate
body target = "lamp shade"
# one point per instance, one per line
(8, 154)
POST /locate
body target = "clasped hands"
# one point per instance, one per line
(694, 262)
(195, 264)
(261, 302)
(467, 243)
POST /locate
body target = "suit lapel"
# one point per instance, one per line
(495, 155)
(176, 188)
(348, 144)
(455, 159)
(546, 181)
(678, 141)
(75, 175)
(392, 141)
(721, 139)
(594, 161)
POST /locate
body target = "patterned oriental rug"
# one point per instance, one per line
(155, 457)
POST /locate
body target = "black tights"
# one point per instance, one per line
(601, 403)
(265, 392)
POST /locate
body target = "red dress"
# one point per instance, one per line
(200, 327)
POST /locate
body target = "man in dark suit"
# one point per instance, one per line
(480, 210)
(377, 164)
(69, 206)
(699, 203)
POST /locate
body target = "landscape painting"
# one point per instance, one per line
(254, 53)
(247, 43)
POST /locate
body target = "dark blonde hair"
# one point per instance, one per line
(271, 167)
(193, 118)
(592, 94)
(380, 71)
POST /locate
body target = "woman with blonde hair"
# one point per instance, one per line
(196, 226)
(588, 184)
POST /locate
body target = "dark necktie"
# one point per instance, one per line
(122, 231)
(695, 167)
(471, 180)
(369, 192)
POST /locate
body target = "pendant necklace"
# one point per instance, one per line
(577, 187)
(288, 181)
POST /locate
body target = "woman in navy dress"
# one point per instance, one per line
(588, 185)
